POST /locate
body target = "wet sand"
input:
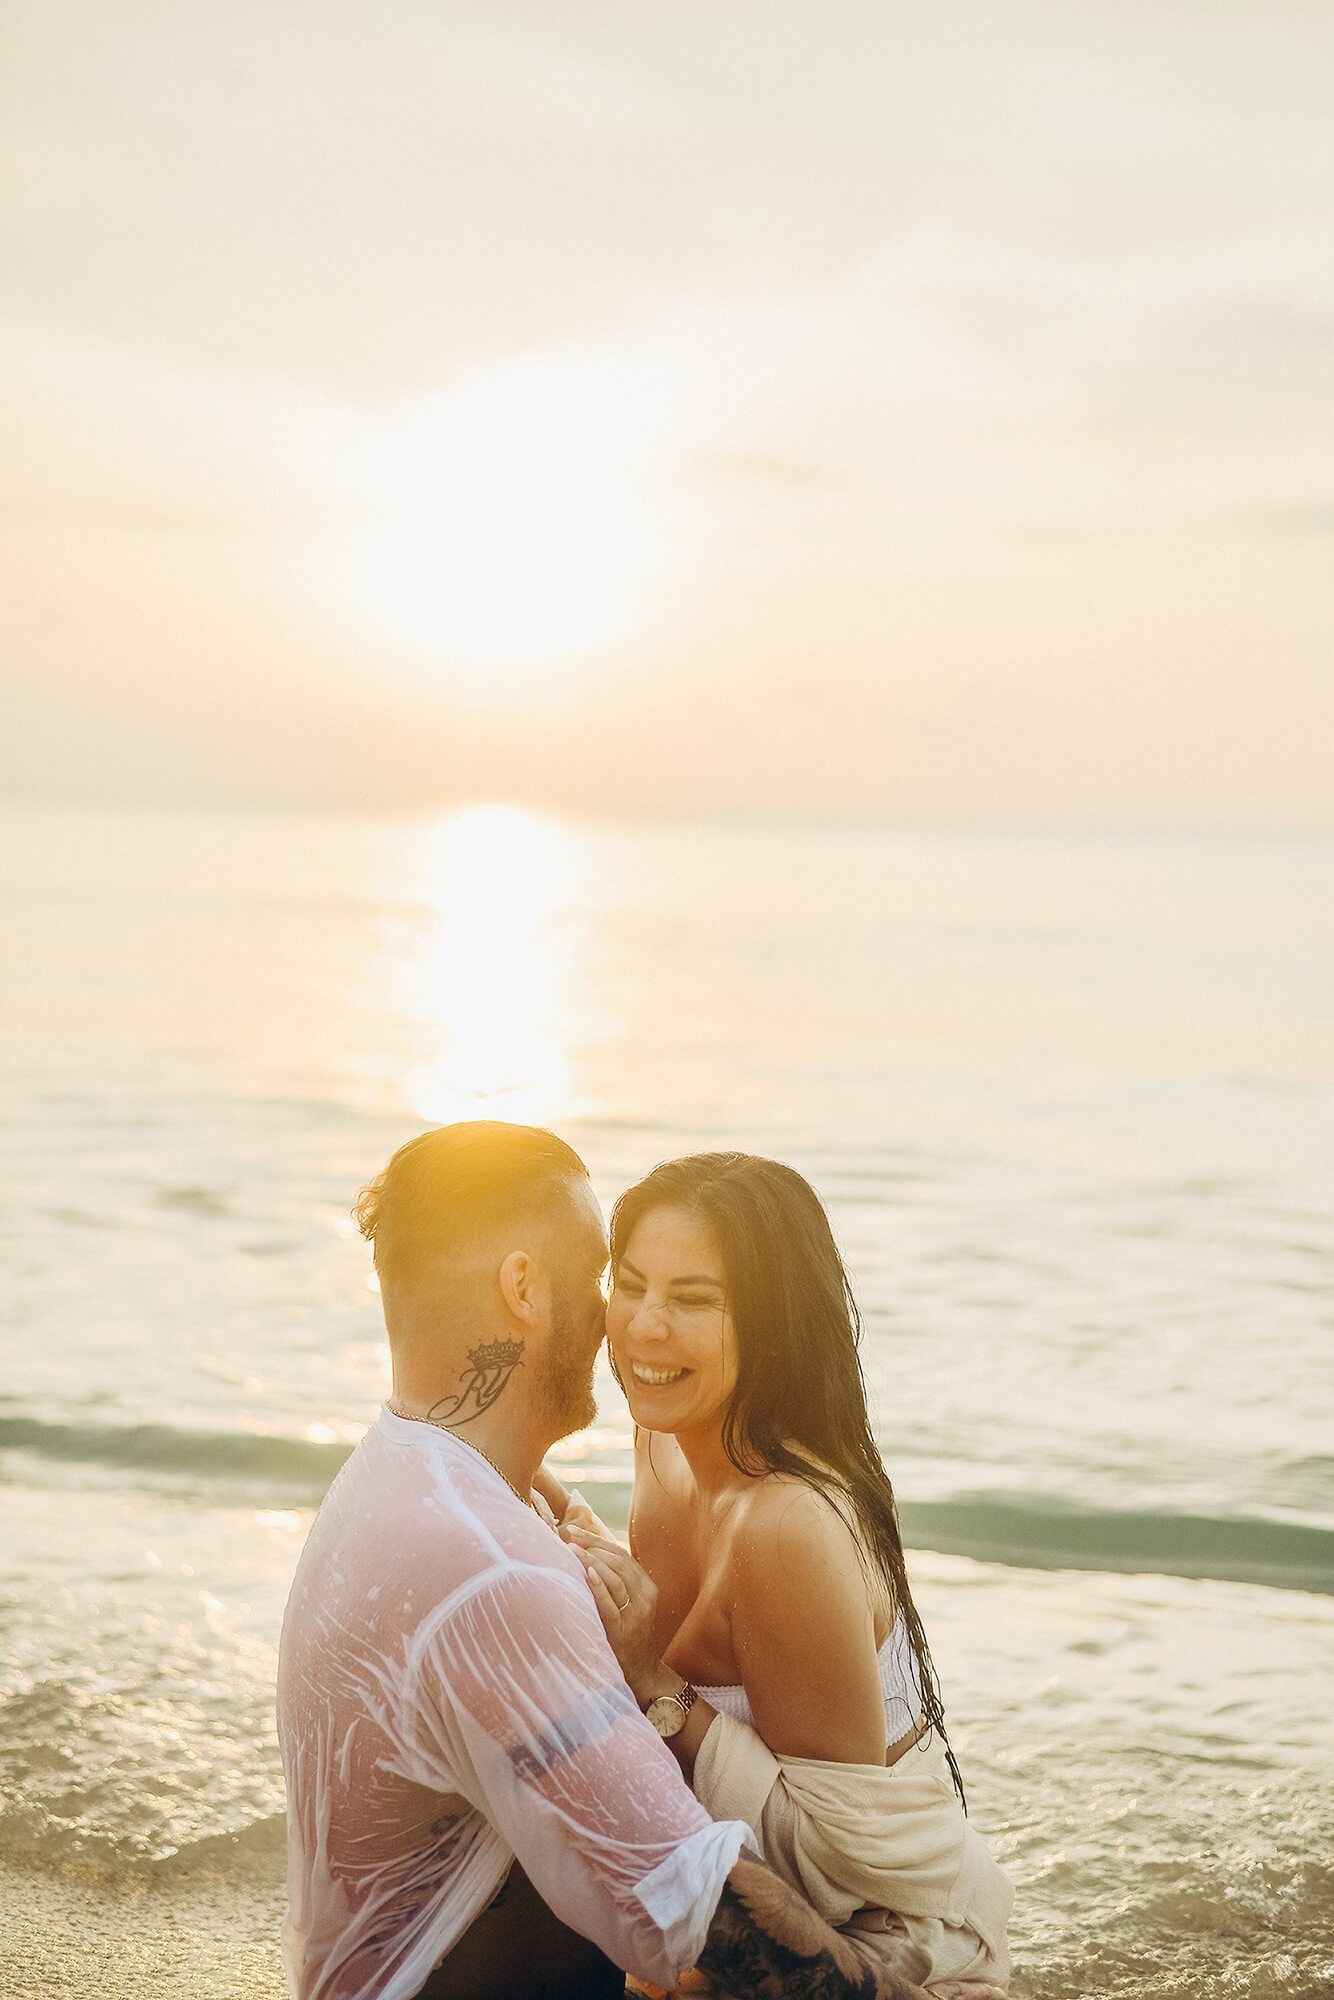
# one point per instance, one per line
(206, 1936)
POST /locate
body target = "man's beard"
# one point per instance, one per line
(565, 1379)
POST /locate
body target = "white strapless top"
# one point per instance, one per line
(898, 1681)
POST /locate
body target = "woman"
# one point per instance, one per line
(764, 1617)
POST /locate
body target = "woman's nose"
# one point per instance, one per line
(649, 1317)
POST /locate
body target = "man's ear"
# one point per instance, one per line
(517, 1278)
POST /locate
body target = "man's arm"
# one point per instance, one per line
(766, 1940)
(512, 1696)
(519, 1692)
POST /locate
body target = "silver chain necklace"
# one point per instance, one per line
(411, 1416)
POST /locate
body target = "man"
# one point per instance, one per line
(477, 1810)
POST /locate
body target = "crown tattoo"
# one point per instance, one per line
(496, 1354)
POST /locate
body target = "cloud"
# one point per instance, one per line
(1301, 520)
(767, 469)
(956, 369)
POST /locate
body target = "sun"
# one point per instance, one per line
(504, 532)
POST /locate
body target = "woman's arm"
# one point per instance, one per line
(803, 1629)
(626, 1598)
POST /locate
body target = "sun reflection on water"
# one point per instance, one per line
(490, 988)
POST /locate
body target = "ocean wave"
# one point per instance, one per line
(1027, 1533)
(263, 1458)
(258, 1846)
(1016, 1529)
(32, 1836)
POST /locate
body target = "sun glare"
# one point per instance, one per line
(506, 533)
(490, 987)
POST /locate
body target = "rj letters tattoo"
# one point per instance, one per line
(492, 1364)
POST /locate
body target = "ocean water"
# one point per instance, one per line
(1070, 1100)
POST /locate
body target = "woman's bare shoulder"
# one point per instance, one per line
(785, 1519)
(803, 1627)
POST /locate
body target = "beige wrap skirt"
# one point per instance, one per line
(884, 1853)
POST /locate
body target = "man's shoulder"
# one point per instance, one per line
(397, 1542)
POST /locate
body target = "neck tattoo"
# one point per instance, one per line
(488, 1372)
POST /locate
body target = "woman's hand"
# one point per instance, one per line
(627, 1601)
(564, 1509)
(579, 1515)
(552, 1498)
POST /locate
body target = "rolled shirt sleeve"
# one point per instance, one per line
(513, 1695)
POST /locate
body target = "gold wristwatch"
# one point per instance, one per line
(668, 1712)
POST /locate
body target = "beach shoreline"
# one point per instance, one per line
(211, 1933)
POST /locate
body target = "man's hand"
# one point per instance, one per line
(766, 1941)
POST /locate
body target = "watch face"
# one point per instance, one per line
(666, 1715)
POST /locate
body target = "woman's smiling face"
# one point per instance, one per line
(668, 1323)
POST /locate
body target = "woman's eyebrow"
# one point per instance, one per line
(695, 1279)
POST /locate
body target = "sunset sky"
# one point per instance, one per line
(922, 410)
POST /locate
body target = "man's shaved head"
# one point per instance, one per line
(446, 1198)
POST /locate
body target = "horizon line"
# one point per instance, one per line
(812, 819)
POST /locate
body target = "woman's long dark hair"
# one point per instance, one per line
(799, 1378)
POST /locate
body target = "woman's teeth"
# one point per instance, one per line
(655, 1377)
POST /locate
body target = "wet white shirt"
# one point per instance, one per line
(447, 1701)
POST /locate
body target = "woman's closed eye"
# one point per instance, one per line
(691, 1301)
